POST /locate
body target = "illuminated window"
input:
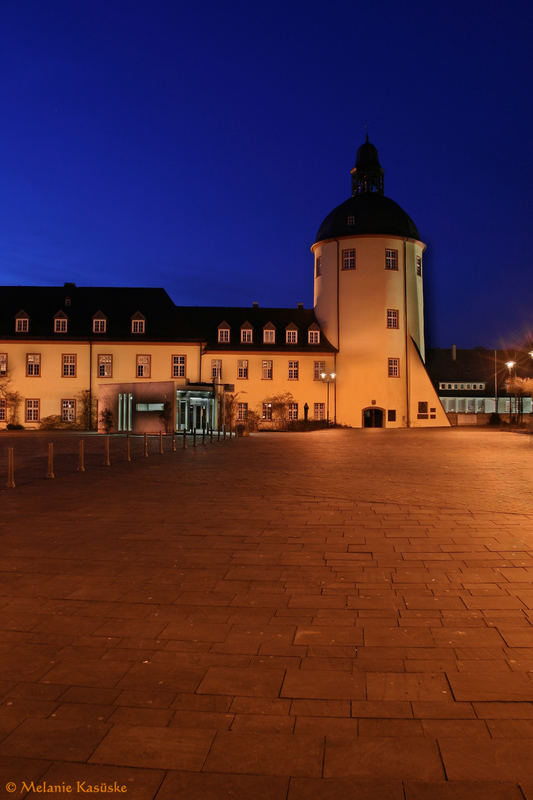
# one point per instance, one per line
(266, 370)
(269, 335)
(348, 259)
(22, 325)
(313, 337)
(291, 336)
(3, 364)
(419, 265)
(320, 411)
(319, 368)
(223, 334)
(178, 366)
(144, 366)
(246, 335)
(68, 411)
(394, 368)
(33, 365)
(294, 367)
(267, 411)
(3, 411)
(242, 411)
(393, 318)
(69, 365)
(350, 220)
(293, 410)
(216, 369)
(105, 365)
(318, 266)
(242, 369)
(137, 325)
(391, 259)
(60, 325)
(33, 410)
(99, 325)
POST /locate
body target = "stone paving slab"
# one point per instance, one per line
(340, 614)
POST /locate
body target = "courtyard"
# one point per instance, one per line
(306, 616)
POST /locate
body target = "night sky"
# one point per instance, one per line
(198, 146)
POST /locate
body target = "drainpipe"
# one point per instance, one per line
(407, 372)
(90, 384)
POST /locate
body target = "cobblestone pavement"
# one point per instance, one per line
(315, 616)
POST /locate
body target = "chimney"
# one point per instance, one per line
(454, 353)
(300, 306)
(255, 304)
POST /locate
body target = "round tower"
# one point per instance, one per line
(368, 297)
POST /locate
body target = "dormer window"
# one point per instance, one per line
(291, 335)
(138, 323)
(99, 323)
(60, 323)
(223, 333)
(313, 337)
(247, 333)
(350, 220)
(22, 324)
(269, 334)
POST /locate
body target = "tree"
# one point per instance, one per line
(279, 403)
(519, 388)
(12, 399)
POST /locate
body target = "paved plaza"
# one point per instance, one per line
(310, 616)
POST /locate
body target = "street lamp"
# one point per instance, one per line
(327, 378)
(510, 365)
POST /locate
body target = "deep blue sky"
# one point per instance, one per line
(199, 146)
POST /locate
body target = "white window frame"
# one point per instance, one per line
(60, 325)
(319, 411)
(68, 410)
(393, 369)
(293, 411)
(223, 335)
(105, 365)
(143, 365)
(267, 411)
(179, 365)
(313, 337)
(3, 365)
(242, 411)
(294, 370)
(216, 369)
(33, 365)
(391, 259)
(99, 325)
(242, 369)
(22, 325)
(291, 336)
(393, 319)
(138, 326)
(247, 335)
(348, 259)
(267, 369)
(32, 410)
(69, 365)
(3, 411)
(318, 368)
(269, 336)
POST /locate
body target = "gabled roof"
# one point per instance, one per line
(475, 366)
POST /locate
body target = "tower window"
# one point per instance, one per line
(318, 266)
(394, 368)
(393, 318)
(348, 259)
(391, 259)
(419, 265)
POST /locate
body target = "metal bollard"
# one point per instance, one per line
(184, 439)
(145, 445)
(173, 441)
(160, 443)
(81, 457)
(107, 460)
(128, 447)
(194, 437)
(50, 469)
(10, 468)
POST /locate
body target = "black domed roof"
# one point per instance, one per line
(367, 213)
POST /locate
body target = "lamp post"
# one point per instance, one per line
(327, 378)
(510, 366)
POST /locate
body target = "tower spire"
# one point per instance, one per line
(367, 175)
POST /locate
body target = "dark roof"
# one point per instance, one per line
(475, 366)
(373, 212)
(201, 322)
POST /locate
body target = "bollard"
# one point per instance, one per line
(81, 457)
(50, 470)
(128, 447)
(10, 468)
(160, 443)
(173, 441)
(211, 436)
(145, 445)
(203, 436)
(107, 460)
(184, 439)
(223, 433)
(218, 434)
(194, 437)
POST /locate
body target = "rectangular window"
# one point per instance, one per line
(266, 371)
(320, 411)
(3, 411)
(294, 367)
(246, 335)
(223, 334)
(291, 337)
(137, 326)
(419, 265)
(178, 366)
(393, 318)
(319, 368)
(318, 266)
(242, 411)
(391, 259)
(391, 415)
(293, 410)
(60, 325)
(21, 325)
(422, 410)
(69, 365)
(267, 411)
(242, 369)
(348, 259)
(105, 365)
(144, 366)
(394, 368)
(3, 364)
(313, 337)
(33, 365)
(216, 369)
(68, 411)
(269, 335)
(99, 325)
(32, 410)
